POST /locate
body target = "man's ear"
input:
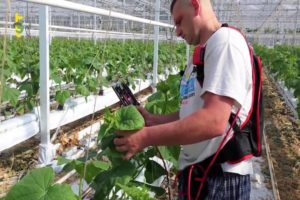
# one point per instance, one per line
(196, 5)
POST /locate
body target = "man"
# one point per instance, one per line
(202, 121)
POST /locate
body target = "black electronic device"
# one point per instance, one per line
(124, 93)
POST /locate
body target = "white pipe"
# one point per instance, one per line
(46, 152)
(156, 40)
(93, 10)
(88, 35)
(44, 73)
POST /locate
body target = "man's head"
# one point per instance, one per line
(195, 20)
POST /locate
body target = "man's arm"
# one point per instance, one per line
(152, 119)
(205, 123)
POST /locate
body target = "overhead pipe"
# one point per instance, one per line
(89, 9)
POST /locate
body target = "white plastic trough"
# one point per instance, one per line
(19, 129)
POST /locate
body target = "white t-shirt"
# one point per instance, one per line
(227, 72)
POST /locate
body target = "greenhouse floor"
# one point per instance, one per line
(283, 138)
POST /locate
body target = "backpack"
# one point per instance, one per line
(247, 139)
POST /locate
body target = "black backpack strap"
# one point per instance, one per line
(198, 61)
(224, 25)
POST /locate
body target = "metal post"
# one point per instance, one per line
(143, 26)
(50, 22)
(79, 24)
(124, 21)
(95, 23)
(295, 26)
(156, 40)
(46, 152)
(10, 20)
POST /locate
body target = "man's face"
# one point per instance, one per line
(183, 16)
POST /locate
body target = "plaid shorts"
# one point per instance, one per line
(224, 186)
(230, 186)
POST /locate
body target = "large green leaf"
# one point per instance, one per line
(11, 95)
(93, 167)
(129, 118)
(38, 185)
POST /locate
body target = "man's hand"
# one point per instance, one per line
(130, 142)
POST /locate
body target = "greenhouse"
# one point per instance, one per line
(83, 84)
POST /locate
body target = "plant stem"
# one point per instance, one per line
(80, 187)
(165, 166)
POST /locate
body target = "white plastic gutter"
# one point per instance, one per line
(93, 10)
(19, 129)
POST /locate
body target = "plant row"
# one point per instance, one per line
(283, 61)
(105, 171)
(85, 65)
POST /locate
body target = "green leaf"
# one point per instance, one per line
(102, 131)
(63, 192)
(163, 87)
(157, 190)
(156, 96)
(28, 87)
(106, 180)
(56, 78)
(38, 185)
(107, 141)
(63, 161)
(136, 193)
(129, 118)
(170, 153)
(62, 96)
(82, 90)
(101, 164)
(20, 109)
(153, 171)
(155, 106)
(11, 95)
(93, 168)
